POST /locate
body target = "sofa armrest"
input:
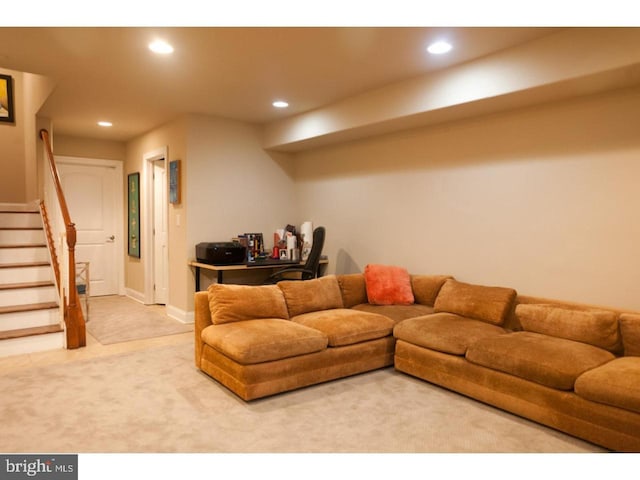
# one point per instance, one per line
(202, 320)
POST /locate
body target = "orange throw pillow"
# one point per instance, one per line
(388, 285)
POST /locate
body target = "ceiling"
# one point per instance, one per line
(108, 73)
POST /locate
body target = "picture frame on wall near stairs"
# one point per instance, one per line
(6, 99)
(133, 207)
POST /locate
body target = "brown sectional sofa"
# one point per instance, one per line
(571, 367)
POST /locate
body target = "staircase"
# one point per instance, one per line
(29, 313)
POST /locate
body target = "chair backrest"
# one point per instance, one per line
(313, 260)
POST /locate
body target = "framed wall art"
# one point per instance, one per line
(174, 181)
(133, 207)
(6, 99)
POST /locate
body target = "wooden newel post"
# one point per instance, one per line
(76, 329)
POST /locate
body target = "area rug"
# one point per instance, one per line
(155, 400)
(116, 319)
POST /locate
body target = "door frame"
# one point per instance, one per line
(147, 225)
(119, 208)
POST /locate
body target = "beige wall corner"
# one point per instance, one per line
(542, 199)
(234, 186)
(70, 146)
(562, 65)
(173, 136)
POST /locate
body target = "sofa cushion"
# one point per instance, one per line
(232, 303)
(489, 304)
(388, 285)
(353, 288)
(426, 287)
(396, 313)
(630, 330)
(445, 332)
(595, 327)
(263, 340)
(311, 295)
(551, 361)
(616, 383)
(345, 326)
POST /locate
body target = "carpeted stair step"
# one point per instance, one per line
(20, 219)
(29, 332)
(24, 245)
(27, 292)
(25, 272)
(24, 265)
(19, 285)
(29, 340)
(15, 317)
(28, 307)
(23, 253)
(21, 236)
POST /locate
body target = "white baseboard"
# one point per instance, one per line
(174, 312)
(180, 315)
(137, 296)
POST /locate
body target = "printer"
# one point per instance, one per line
(220, 253)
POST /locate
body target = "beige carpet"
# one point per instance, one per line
(116, 319)
(154, 400)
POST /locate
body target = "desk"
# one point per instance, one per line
(220, 269)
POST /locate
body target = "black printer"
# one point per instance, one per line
(220, 253)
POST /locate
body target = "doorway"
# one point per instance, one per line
(156, 228)
(93, 190)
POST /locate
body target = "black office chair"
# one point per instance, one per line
(311, 267)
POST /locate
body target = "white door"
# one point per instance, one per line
(91, 192)
(160, 253)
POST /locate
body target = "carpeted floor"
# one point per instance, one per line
(155, 400)
(117, 319)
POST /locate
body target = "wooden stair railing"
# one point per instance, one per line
(50, 242)
(73, 317)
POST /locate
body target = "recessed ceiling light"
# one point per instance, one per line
(280, 104)
(105, 124)
(439, 47)
(160, 46)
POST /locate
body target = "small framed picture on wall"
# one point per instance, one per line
(174, 181)
(6, 99)
(133, 207)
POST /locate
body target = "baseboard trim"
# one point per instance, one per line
(174, 312)
(134, 294)
(181, 315)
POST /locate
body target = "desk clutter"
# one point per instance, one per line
(289, 246)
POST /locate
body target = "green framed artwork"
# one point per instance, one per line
(6, 99)
(174, 182)
(133, 207)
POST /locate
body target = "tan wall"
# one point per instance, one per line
(234, 186)
(173, 136)
(542, 199)
(36, 91)
(19, 154)
(546, 71)
(69, 146)
(230, 185)
(12, 154)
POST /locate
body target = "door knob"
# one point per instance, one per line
(111, 238)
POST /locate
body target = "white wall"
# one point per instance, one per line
(543, 199)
